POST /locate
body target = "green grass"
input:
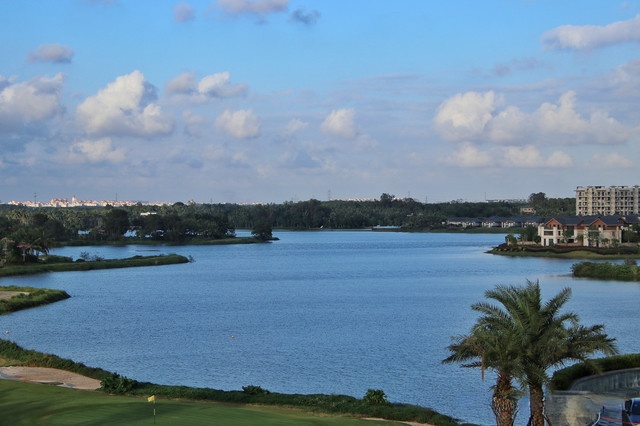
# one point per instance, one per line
(39, 404)
(33, 297)
(135, 261)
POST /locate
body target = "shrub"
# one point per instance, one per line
(117, 384)
(254, 390)
(375, 397)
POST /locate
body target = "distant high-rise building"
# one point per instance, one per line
(612, 200)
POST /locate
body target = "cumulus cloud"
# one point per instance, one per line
(242, 124)
(96, 151)
(306, 18)
(626, 78)
(612, 159)
(253, 7)
(466, 115)
(341, 122)
(468, 155)
(214, 86)
(125, 107)
(529, 156)
(55, 53)
(183, 12)
(585, 37)
(568, 126)
(475, 116)
(294, 126)
(29, 102)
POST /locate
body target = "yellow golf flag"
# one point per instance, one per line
(152, 398)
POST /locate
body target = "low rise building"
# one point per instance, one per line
(589, 231)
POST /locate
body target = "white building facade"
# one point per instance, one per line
(612, 200)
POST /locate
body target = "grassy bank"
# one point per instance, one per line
(335, 405)
(62, 265)
(567, 252)
(27, 297)
(37, 404)
(607, 271)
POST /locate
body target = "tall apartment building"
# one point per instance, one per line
(612, 200)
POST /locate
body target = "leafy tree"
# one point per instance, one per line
(116, 223)
(543, 337)
(262, 230)
(529, 233)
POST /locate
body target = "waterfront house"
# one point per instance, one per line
(589, 231)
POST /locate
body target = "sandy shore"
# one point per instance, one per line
(49, 375)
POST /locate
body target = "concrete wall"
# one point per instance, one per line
(609, 382)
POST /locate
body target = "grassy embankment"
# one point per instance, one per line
(567, 252)
(62, 264)
(37, 404)
(190, 401)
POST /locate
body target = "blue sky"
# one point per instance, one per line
(281, 100)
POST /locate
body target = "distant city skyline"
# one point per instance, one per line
(269, 101)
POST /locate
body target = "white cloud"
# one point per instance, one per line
(183, 12)
(341, 122)
(559, 159)
(253, 7)
(242, 124)
(96, 151)
(509, 125)
(55, 53)
(468, 155)
(626, 78)
(125, 107)
(465, 115)
(29, 102)
(294, 126)
(185, 87)
(529, 156)
(564, 124)
(561, 118)
(585, 37)
(612, 159)
(474, 116)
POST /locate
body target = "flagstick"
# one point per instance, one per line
(154, 411)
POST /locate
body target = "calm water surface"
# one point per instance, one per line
(316, 312)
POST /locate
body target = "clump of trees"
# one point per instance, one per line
(521, 338)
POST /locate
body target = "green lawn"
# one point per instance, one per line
(41, 404)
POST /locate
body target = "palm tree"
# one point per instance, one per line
(485, 349)
(544, 337)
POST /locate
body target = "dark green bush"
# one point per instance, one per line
(254, 390)
(375, 397)
(117, 384)
(606, 271)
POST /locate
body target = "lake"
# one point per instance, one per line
(315, 312)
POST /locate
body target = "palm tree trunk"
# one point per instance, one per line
(536, 402)
(505, 410)
(503, 402)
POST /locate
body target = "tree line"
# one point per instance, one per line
(27, 232)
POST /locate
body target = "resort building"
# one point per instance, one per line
(612, 200)
(589, 231)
